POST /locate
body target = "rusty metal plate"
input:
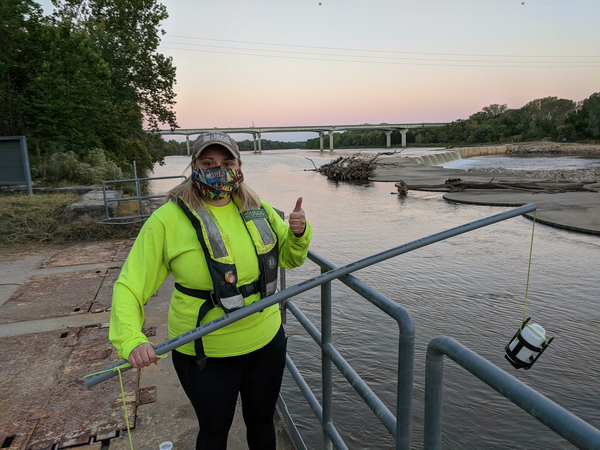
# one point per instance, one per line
(31, 368)
(55, 295)
(75, 414)
(146, 395)
(103, 300)
(90, 253)
(15, 436)
(42, 388)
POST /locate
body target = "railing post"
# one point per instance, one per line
(434, 386)
(406, 368)
(138, 190)
(326, 372)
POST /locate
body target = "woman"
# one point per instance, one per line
(223, 246)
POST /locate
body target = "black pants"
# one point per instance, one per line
(213, 392)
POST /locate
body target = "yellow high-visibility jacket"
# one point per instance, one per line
(167, 243)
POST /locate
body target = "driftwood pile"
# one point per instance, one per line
(354, 167)
(459, 185)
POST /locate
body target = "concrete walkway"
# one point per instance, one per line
(577, 211)
(169, 418)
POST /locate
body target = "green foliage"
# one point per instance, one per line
(172, 147)
(584, 122)
(94, 169)
(545, 117)
(88, 77)
(265, 144)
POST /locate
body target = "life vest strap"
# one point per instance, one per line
(246, 291)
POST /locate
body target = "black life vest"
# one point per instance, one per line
(219, 259)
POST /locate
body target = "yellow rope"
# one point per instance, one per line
(529, 269)
(118, 369)
(125, 407)
(527, 286)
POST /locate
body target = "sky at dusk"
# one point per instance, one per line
(295, 62)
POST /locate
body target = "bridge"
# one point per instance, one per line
(257, 132)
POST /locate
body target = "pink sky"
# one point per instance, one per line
(293, 62)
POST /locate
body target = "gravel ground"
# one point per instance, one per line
(591, 175)
(553, 148)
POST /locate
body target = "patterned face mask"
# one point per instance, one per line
(217, 183)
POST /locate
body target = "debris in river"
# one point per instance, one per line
(458, 185)
(354, 167)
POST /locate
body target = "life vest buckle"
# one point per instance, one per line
(213, 299)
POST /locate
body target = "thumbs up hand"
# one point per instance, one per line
(298, 219)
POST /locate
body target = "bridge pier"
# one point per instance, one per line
(331, 141)
(388, 139)
(259, 143)
(187, 143)
(403, 137)
(321, 140)
(254, 137)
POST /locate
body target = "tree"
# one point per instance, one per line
(584, 122)
(127, 34)
(88, 77)
(545, 114)
(21, 25)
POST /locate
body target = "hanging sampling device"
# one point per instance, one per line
(528, 344)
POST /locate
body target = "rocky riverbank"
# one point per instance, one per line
(591, 175)
(553, 148)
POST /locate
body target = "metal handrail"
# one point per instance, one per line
(338, 272)
(125, 220)
(558, 419)
(572, 428)
(399, 426)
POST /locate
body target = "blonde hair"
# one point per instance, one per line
(189, 194)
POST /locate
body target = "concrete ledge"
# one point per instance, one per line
(80, 190)
(467, 152)
(90, 207)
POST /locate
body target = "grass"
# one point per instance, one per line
(40, 219)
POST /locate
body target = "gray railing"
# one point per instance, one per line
(142, 216)
(399, 426)
(558, 419)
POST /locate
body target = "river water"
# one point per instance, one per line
(470, 287)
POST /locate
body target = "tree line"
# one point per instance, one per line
(83, 82)
(173, 147)
(559, 119)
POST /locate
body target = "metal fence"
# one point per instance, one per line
(399, 425)
(558, 419)
(142, 199)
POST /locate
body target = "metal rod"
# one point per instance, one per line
(105, 202)
(124, 180)
(138, 189)
(371, 400)
(406, 349)
(305, 322)
(326, 372)
(558, 419)
(311, 283)
(304, 388)
(290, 426)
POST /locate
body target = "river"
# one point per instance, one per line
(470, 287)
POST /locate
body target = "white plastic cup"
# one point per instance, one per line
(167, 445)
(532, 338)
